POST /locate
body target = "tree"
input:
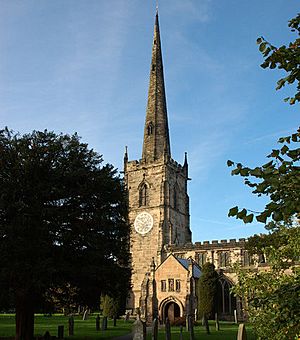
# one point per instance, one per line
(272, 298)
(279, 178)
(110, 306)
(63, 221)
(61, 299)
(207, 290)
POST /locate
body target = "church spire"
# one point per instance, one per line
(156, 133)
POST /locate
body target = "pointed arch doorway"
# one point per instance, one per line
(171, 311)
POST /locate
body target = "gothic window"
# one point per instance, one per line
(171, 285)
(177, 285)
(246, 258)
(224, 258)
(201, 258)
(150, 129)
(163, 285)
(227, 301)
(261, 258)
(143, 195)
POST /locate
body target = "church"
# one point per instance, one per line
(165, 263)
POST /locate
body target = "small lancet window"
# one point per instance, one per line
(153, 67)
(143, 197)
(150, 129)
(175, 197)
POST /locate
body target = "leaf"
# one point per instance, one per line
(259, 40)
(277, 216)
(268, 165)
(284, 150)
(241, 214)
(248, 218)
(230, 163)
(261, 218)
(256, 172)
(264, 64)
(233, 211)
(244, 172)
(275, 153)
(295, 137)
(262, 47)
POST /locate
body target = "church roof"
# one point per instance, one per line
(196, 268)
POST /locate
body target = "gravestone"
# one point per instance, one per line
(85, 315)
(60, 332)
(235, 316)
(104, 324)
(206, 324)
(97, 323)
(127, 316)
(181, 335)
(139, 330)
(71, 326)
(115, 321)
(154, 329)
(168, 329)
(47, 336)
(217, 322)
(191, 328)
(242, 335)
(187, 325)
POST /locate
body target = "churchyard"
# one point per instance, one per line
(83, 329)
(86, 329)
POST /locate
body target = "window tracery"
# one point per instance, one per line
(143, 195)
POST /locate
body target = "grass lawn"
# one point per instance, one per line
(228, 331)
(87, 329)
(82, 329)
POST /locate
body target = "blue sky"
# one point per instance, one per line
(83, 65)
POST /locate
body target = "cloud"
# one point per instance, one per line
(195, 10)
(278, 134)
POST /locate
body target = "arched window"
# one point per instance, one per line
(143, 197)
(226, 299)
(224, 259)
(150, 129)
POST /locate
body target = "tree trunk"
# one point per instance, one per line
(24, 317)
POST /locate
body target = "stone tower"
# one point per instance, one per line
(157, 185)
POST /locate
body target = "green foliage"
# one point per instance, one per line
(62, 299)
(272, 297)
(279, 179)
(63, 220)
(207, 290)
(284, 58)
(110, 306)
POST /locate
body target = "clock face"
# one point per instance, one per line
(143, 223)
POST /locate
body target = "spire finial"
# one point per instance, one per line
(156, 6)
(126, 154)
